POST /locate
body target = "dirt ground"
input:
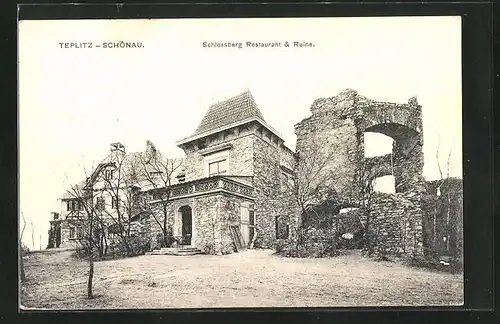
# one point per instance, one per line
(253, 278)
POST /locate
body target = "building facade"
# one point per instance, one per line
(223, 196)
(229, 196)
(231, 190)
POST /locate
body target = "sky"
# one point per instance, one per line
(74, 102)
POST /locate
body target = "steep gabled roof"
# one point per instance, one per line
(229, 111)
(130, 162)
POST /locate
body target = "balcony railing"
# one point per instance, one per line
(211, 184)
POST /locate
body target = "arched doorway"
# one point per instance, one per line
(186, 220)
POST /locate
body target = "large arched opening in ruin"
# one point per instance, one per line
(402, 135)
(377, 144)
(400, 164)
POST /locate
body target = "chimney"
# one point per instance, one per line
(117, 147)
(150, 147)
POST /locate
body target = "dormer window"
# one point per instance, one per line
(217, 167)
(73, 205)
(108, 174)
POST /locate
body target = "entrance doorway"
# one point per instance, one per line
(187, 224)
(248, 224)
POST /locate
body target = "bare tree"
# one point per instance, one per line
(86, 219)
(444, 187)
(119, 180)
(32, 235)
(23, 274)
(315, 177)
(364, 182)
(158, 172)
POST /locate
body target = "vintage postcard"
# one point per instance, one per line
(233, 163)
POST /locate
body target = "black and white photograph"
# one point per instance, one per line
(240, 163)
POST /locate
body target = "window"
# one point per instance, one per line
(100, 203)
(108, 174)
(218, 167)
(282, 229)
(72, 232)
(181, 177)
(73, 205)
(251, 215)
(159, 194)
(155, 173)
(114, 203)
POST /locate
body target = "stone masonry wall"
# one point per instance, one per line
(211, 217)
(214, 215)
(66, 241)
(207, 222)
(230, 215)
(267, 184)
(240, 156)
(151, 226)
(193, 164)
(332, 134)
(395, 225)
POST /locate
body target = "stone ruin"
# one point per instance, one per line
(339, 123)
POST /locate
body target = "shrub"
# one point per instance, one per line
(316, 243)
(280, 245)
(24, 249)
(161, 242)
(139, 245)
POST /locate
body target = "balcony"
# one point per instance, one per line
(212, 184)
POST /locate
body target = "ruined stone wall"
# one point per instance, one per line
(331, 134)
(408, 167)
(338, 123)
(395, 225)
